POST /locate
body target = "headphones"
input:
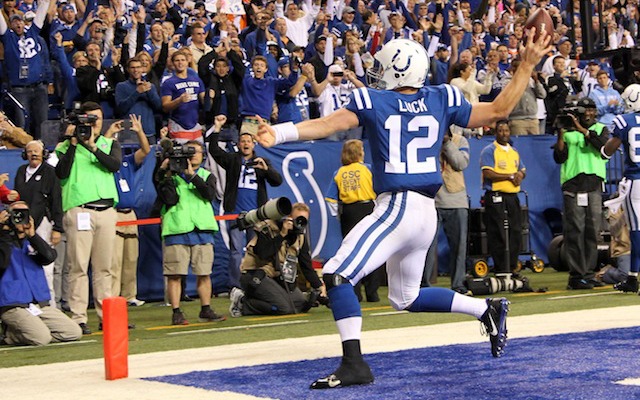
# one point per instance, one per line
(45, 152)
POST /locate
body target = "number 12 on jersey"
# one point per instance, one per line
(411, 165)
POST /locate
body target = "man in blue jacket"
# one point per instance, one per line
(24, 294)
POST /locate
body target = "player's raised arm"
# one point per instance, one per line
(271, 135)
(484, 114)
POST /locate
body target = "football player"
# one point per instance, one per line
(405, 124)
(625, 132)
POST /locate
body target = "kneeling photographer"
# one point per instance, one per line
(270, 267)
(25, 311)
(582, 174)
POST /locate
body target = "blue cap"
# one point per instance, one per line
(283, 61)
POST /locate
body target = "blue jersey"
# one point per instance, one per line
(405, 133)
(26, 55)
(627, 129)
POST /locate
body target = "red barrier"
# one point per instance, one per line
(153, 221)
(115, 323)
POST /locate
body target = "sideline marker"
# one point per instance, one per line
(116, 337)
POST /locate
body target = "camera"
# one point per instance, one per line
(83, 123)
(251, 163)
(563, 119)
(19, 217)
(300, 224)
(337, 73)
(273, 209)
(177, 154)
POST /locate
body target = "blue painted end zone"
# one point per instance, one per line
(570, 366)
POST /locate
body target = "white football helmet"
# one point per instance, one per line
(631, 97)
(403, 63)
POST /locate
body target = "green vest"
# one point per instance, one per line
(583, 158)
(191, 212)
(89, 180)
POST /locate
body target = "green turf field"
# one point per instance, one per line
(154, 333)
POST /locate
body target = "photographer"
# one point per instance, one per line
(188, 225)
(246, 178)
(86, 170)
(582, 174)
(24, 295)
(269, 269)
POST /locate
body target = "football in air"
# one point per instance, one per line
(541, 20)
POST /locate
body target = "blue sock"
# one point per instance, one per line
(635, 251)
(433, 299)
(344, 303)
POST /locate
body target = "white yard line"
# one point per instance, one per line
(81, 379)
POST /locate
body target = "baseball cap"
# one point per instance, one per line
(586, 102)
(335, 68)
(283, 61)
(319, 38)
(478, 21)
(272, 43)
(29, 15)
(16, 16)
(67, 7)
(96, 21)
(442, 47)
(562, 40)
(348, 10)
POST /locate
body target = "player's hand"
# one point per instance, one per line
(266, 135)
(534, 51)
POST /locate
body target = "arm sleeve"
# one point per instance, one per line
(112, 160)
(45, 254)
(63, 168)
(207, 189)
(306, 266)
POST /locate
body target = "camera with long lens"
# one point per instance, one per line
(83, 123)
(273, 209)
(178, 155)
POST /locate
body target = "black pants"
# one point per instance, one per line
(350, 215)
(499, 207)
(267, 296)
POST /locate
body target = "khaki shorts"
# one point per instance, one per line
(524, 127)
(176, 259)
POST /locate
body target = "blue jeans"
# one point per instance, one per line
(35, 101)
(454, 223)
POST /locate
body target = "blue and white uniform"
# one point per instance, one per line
(627, 129)
(405, 134)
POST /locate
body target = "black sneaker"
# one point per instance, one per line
(85, 329)
(348, 373)
(596, 283)
(578, 284)
(179, 319)
(629, 285)
(210, 316)
(494, 321)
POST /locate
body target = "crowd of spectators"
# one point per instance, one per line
(285, 61)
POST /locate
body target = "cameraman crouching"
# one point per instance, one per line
(24, 293)
(188, 224)
(269, 269)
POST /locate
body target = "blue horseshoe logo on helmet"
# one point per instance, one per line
(395, 67)
(637, 96)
